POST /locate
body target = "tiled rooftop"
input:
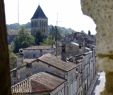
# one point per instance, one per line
(38, 83)
(56, 62)
(49, 82)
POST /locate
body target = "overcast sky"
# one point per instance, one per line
(68, 12)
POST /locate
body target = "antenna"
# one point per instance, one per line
(56, 34)
(57, 20)
(18, 11)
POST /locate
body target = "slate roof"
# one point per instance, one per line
(38, 83)
(39, 13)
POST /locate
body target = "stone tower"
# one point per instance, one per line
(39, 22)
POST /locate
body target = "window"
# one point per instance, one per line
(28, 65)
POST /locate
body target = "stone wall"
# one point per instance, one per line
(102, 13)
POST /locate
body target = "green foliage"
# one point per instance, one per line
(12, 58)
(63, 31)
(14, 26)
(48, 41)
(55, 33)
(39, 37)
(23, 40)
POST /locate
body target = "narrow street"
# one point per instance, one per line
(99, 86)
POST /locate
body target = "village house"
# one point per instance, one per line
(50, 63)
(40, 84)
(86, 69)
(79, 70)
(80, 37)
(34, 52)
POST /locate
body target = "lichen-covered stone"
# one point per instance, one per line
(102, 13)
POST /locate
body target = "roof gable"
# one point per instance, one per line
(39, 13)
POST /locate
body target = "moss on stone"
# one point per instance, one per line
(110, 56)
(109, 84)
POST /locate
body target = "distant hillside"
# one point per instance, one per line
(62, 30)
(14, 26)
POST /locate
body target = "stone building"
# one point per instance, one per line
(86, 69)
(101, 12)
(39, 22)
(51, 64)
(70, 49)
(79, 37)
(40, 84)
(79, 75)
(36, 51)
(79, 70)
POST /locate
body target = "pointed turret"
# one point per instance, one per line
(39, 22)
(39, 13)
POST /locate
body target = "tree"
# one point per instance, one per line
(48, 41)
(5, 81)
(12, 58)
(55, 33)
(39, 37)
(23, 40)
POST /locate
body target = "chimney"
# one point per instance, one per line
(20, 58)
(89, 33)
(63, 52)
(82, 47)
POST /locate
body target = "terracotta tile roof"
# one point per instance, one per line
(39, 83)
(46, 81)
(56, 62)
(37, 47)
